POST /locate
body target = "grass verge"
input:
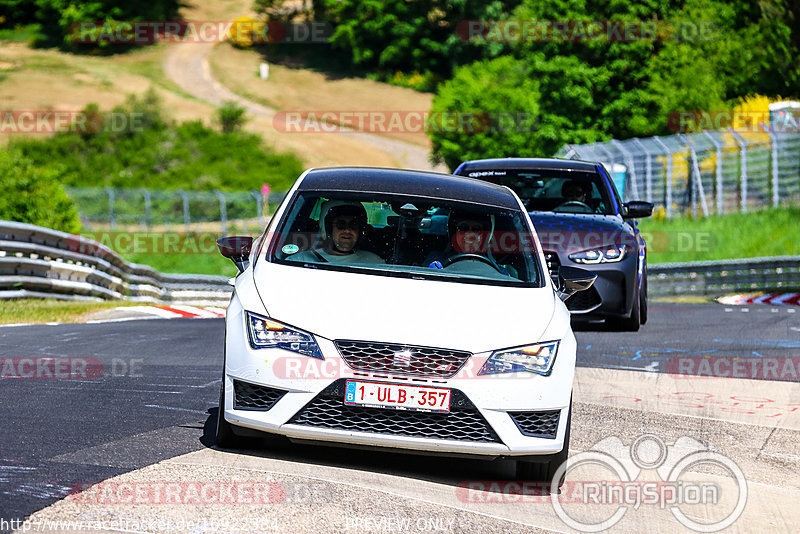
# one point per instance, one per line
(53, 310)
(771, 232)
(186, 263)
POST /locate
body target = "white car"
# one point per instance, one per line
(404, 310)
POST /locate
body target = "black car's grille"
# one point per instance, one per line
(401, 359)
(586, 300)
(254, 397)
(462, 423)
(537, 424)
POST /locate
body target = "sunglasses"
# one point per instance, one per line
(344, 225)
(466, 227)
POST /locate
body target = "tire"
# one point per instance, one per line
(224, 436)
(643, 297)
(545, 471)
(629, 324)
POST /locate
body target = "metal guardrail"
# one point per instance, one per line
(38, 262)
(775, 274)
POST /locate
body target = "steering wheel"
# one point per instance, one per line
(574, 204)
(478, 257)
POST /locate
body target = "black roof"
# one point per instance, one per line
(530, 163)
(407, 182)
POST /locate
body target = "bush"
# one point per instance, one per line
(230, 117)
(159, 154)
(33, 195)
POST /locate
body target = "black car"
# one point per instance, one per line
(582, 222)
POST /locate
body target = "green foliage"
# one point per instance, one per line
(422, 36)
(706, 55)
(58, 18)
(230, 117)
(32, 194)
(533, 106)
(135, 146)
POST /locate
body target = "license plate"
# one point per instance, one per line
(399, 397)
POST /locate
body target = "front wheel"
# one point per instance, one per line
(545, 471)
(628, 324)
(643, 297)
(224, 436)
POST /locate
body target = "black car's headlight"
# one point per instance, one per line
(610, 254)
(536, 358)
(267, 333)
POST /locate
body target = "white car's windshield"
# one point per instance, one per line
(398, 236)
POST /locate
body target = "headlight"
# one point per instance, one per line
(537, 359)
(266, 333)
(610, 254)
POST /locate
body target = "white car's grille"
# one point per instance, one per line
(537, 424)
(400, 359)
(463, 423)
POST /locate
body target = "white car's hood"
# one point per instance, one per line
(341, 305)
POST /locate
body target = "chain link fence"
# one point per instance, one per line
(158, 207)
(704, 173)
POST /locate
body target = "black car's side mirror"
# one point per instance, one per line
(572, 280)
(236, 249)
(637, 208)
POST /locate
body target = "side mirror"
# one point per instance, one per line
(236, 249)
(636, 209)
(572, 280)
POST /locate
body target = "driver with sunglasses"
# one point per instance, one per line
(469, 242)
(344, 226)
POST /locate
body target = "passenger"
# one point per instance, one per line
(344, 227)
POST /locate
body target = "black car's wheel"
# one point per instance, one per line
(628, 324)
(545, 471)
(225, 436)
(643, 298)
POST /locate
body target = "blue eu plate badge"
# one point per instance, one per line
(350, 392)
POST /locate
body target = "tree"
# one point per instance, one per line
(32, 194)
(532, 105)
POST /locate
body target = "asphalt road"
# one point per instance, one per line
(150, 387)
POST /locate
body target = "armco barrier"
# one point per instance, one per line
(38, 262)
(780, 273)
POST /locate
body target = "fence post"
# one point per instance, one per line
(743, 179)
(185, 198)
(111, 217)
(223, 212)
(259, 203)
(648, 169)
(631, 171)
(774, 147)
(668, 152)
(146, 194)
(697, 182)
(718, 170)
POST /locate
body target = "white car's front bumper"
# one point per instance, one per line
(493, 396)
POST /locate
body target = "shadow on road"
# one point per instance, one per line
(439, 469)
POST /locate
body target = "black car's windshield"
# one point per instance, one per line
(552, 190)
(404, 236)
